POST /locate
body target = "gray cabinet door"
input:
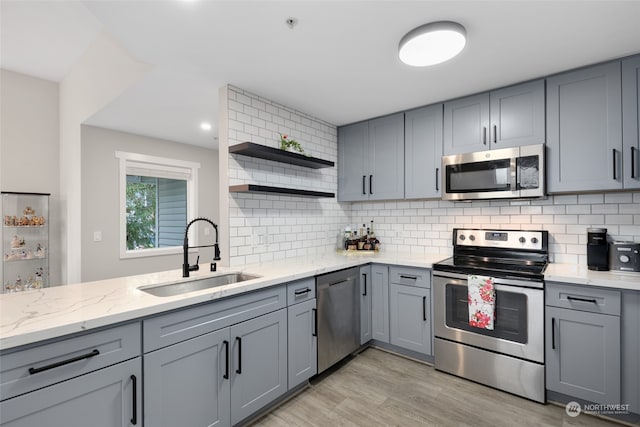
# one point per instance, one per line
(365, 304)
(380, 302)
(517, 115)
(466, 124)
(103, 398)
(258, 363)
(583, 354)
(386, 158)
(631, 122)
(353, 162)
(423, 152)
(410, 317)
(631, 350)
(303, 342)
(584, 130)
(185, 383)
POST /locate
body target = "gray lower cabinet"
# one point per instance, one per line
(107, 397)
(584, 129)
(366, 332)
(631, 350)
(422, 152)
(582, 333)
(188, 383)
(631, 122)
(410, 317)
(258, 363)
(371, 159)
(380, 302)
(303, 342)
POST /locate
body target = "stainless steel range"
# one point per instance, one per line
(510, 356)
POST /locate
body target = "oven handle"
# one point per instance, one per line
(496, 281)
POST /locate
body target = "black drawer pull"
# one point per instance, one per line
(424, 308)
(591, 300)
(64, 362)
(409, 277)
(553, 333)
(134, 418)
(226, 362)
(239, 370)
(315, 323)
(302, 291)
(365, 285)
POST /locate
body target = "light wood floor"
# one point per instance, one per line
(377, 388)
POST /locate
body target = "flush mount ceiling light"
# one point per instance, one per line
(432, 43)
(205, 126)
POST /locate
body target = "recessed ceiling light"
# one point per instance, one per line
(205, 126)
(432, 43)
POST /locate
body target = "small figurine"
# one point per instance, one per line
(29, 211)
(18, 286)
(17, 242)
(39, 253)
(8, 287)
(8, 221)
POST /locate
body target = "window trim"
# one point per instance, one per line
(163, 166)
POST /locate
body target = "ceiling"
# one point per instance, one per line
(339, 63)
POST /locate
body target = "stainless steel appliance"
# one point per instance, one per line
(495, 174)
(338, 316)
(597, 249)
(511, 356)
(624, 256)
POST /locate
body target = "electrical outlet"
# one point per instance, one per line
(97, 236)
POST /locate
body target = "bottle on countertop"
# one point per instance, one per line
(372, 233)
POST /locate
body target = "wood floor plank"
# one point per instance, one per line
(377, 388)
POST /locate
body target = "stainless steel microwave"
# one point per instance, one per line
(507, 173)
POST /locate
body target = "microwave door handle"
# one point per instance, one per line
(514, 175)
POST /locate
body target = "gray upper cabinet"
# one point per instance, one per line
(380, 302)
(502, 118)
(303, 342)
(631, 122)
(466, 124)
(365, 304)
(423, 152)
(584, 129)
(371, 160)
(188, 383)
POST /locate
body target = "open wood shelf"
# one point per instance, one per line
(252, 188)
(268, 153)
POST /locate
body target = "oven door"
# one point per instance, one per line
(518, 325)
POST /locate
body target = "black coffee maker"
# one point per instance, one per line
(597, 249)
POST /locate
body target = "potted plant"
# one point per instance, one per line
(290, 144)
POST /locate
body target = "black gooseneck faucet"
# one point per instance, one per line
(186, 268)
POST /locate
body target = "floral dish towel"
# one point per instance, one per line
(481, 297)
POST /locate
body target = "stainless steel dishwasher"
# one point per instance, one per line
(338, 316)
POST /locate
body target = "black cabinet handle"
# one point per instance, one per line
(424, 308)
(370, 184)
(226, 362)
(495, 134)
(64, 362)
(437, 176)
(364, 191)
(365, 285)
(315, 322)
(633, 162)
(615, 174)
(302, 291)
(591, 300)
(239, 341)
(409, 277)
(553, 333)
(484, 135)
(134, 418)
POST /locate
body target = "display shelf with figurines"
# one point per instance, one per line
(25, 241)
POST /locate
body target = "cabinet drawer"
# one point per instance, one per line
(583, 298)
(301, 290)
(35, 367)
(177, 326)
(410, 276)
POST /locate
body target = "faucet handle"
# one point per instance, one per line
(195, 267)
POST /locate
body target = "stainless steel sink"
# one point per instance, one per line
(173, 289)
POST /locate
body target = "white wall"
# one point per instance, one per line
(264, 227)
(424, 226)
(100, 201)
(29, 146)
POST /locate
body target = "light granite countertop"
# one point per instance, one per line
(33, 316)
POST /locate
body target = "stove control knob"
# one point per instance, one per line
(472, 237)
(522, 240)
(461, 237)
(534, 240)
(624, 258)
